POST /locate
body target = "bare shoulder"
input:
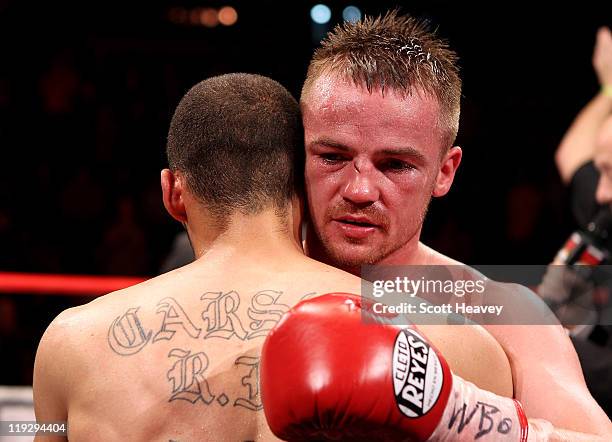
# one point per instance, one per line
(537, 336)
(73, 345)
(324, 278)
(96, 312)
(530, 334)
(59, 348)
(429, 256)
(474, 355)
(531, 322)
(56, 368)
(62, 335)
(73, 327)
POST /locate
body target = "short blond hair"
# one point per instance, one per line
(396, 52)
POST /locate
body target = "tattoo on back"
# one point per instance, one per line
(188, 381)
(251, 381)
(126, 335)
(187, 377)
(174, 316)
(223, 316)
(265, 311)
(220, 317)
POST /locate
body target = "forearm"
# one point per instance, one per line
(558, 435)
(473, 413)
(578, 144)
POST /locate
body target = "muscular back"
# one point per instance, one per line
(177, 357)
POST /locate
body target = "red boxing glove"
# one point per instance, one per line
(325, 374)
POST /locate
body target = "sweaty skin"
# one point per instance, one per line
(373, 162)
(176, 357)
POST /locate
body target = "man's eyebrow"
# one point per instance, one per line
(326, 142)
(401, 151)
(393, 151)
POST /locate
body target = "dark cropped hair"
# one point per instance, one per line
(238, 140)
(396, 52)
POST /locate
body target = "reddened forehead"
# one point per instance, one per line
(328, 88)
(332, 100)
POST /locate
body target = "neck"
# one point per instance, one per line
(264, 236)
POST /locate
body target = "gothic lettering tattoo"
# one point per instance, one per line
(265, 312)
(220, 316)
(187, 377)
(174, 316)
(251, 381)
(126, 335)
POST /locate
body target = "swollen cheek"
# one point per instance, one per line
(316, 171)
(333, 181)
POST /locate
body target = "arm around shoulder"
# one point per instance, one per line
(552, 385)
(546, 372)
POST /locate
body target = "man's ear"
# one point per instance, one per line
(172, 195)
(446, 174)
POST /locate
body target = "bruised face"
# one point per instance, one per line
(373, 162)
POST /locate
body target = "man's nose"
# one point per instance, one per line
(361, 186)
(603, 194)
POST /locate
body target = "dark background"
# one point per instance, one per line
(87, 91)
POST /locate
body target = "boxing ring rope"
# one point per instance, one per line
(54, 284)
(71, 285)
(16, 403)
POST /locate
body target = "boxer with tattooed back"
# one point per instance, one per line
(177, 357)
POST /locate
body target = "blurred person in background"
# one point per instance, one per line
(584, 162)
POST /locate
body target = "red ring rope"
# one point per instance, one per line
(74, 285)
(50, 284)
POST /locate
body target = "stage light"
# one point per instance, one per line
(227, 16)
(194, 16)
(178, 16)
(351, 13)
(320, 14)
(209, 17)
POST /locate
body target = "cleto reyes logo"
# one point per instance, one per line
(417, 374)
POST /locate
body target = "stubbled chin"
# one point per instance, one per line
(346, 253)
